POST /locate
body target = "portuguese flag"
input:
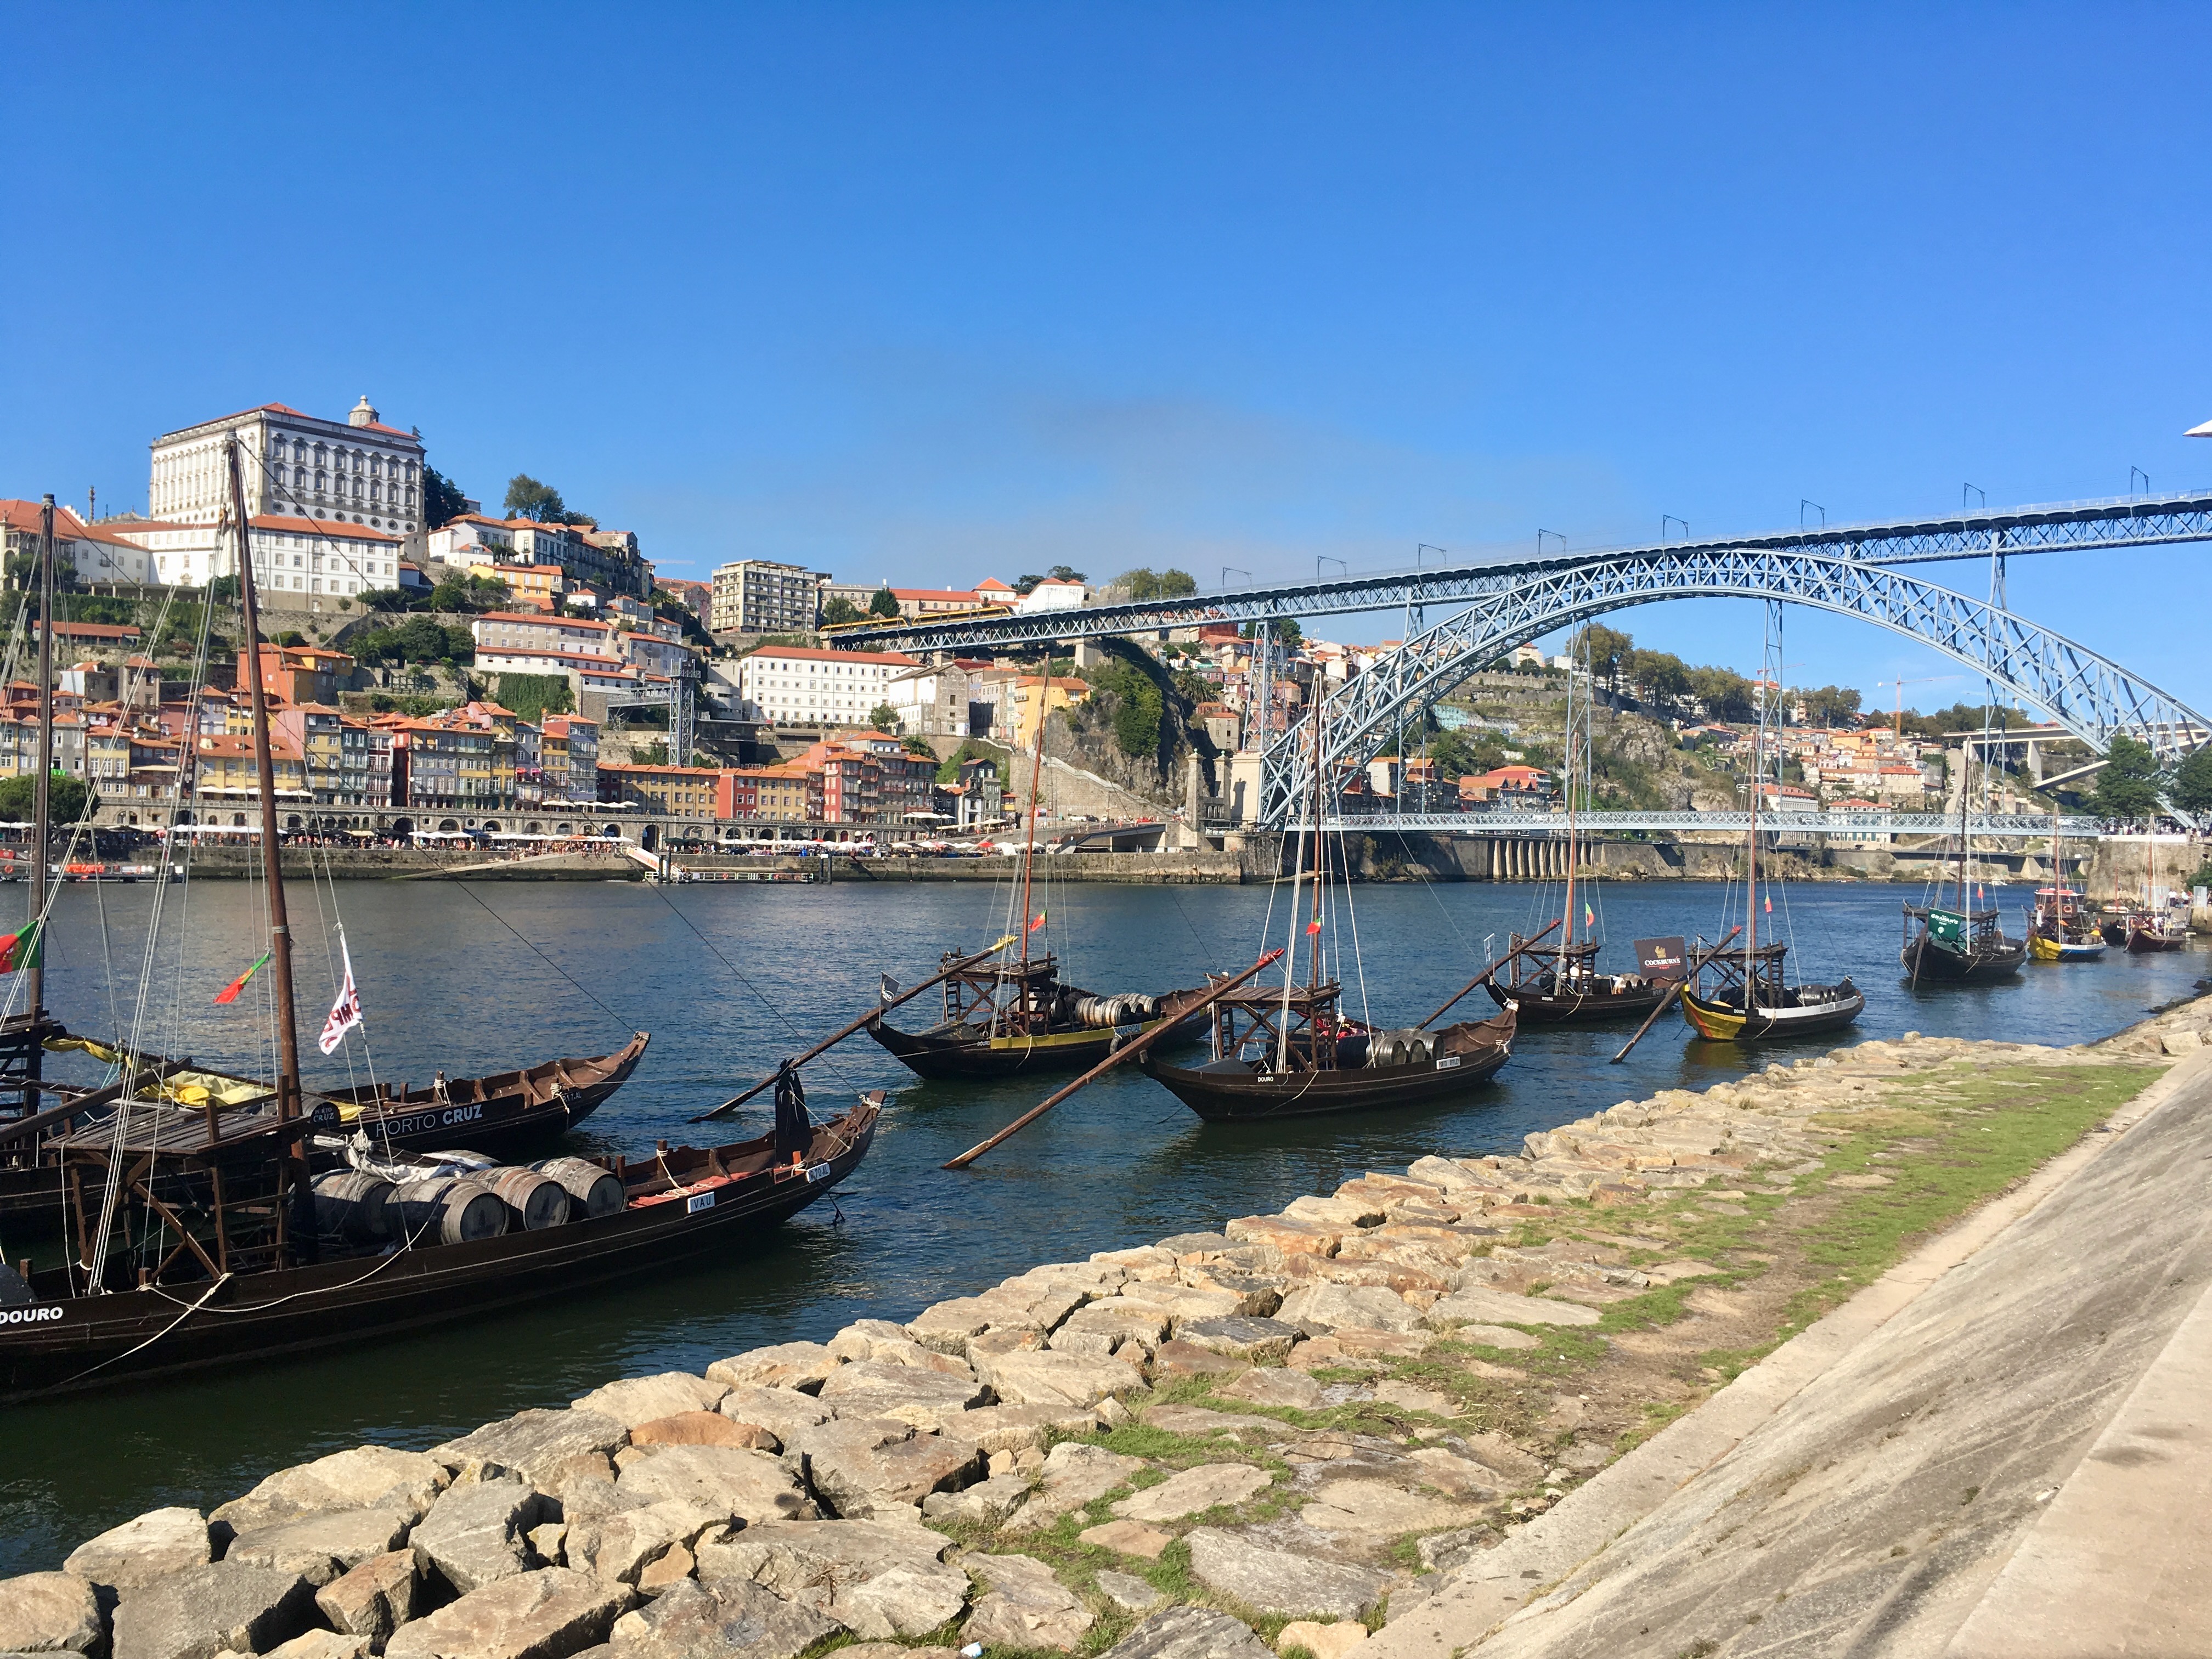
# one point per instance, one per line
(19, 949)
(229, 992)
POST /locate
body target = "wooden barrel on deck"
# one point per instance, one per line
(593, 1190)
(349, 1203)
(532, 1200)
(447, 1209)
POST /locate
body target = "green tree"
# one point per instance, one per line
(2192, 782)
(1831, 705)
(839, 610)
(68, 799)
(1138, 584)
(883, 604)
(2131, 783)
(1661, 679)
(443, 501)
(1194, 687)
(223, 590)
(1026, 583)
(652, 754)
(1725, 694)
(1610, 653)
(419, 640)
(1178, 584)
(884, 718)
(527, 498)
(914, 743)
(1465, 753)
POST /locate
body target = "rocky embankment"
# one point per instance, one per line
(1219, 1446)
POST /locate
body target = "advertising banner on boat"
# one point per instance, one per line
(1947, 928)
(1660, 959)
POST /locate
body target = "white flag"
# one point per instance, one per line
(345, 1013)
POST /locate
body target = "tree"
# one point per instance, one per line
(2192, 782)
(68, 799)
(884, 718)
(1288, 633)
(1138, 584)
(443, 501)
(1610, 650)
(1061, 573)
(1466, 754)
(914, 743)
(1138, 706)
(1178, 584)
(1831, 705)
(1144, 583)
(653, 754)
(883, 604)
(223, 590)
(1661, 679)
(527, 498)
(1725, 694)
(839, 610)
(1194, 687)
(1025, 584)
(2131, 783)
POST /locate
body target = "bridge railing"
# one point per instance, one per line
(2030, 826)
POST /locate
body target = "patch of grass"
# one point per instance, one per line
(1732, 1363)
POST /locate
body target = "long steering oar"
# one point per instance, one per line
(1488, 973)
(1689, 970)
(1127, 1051)
(868, 1018)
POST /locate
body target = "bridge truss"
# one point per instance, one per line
(2091, 696)
(1983, 826)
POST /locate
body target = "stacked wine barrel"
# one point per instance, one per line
(446, 1207)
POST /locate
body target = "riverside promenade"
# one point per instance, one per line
(1893, 1350)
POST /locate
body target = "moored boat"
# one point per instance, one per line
(1959, 947)
(1751, 1003)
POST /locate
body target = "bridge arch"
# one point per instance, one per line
(2088, 693)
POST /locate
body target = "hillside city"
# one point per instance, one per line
(431, 660)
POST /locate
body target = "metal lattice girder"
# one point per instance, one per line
(2125, 521)
(2091, 696)
(2028, 826)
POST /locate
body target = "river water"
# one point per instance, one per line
(727, 978)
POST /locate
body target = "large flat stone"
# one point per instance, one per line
(1497, 1336)
(878, 1579)
(1257, 1341)
(1041, 1377)
(703, 1429)
(883, 1343)
(870, 1387)
(1021, 1428)
(1287, 1234)
(1190, 1633)
(548, 1614)
(533, 1444)
(1201, 1421)
(617, 1547)
(1324, 1306)
(1194, 1490)
(321, 1547)
(1027, 1607)
(1460, 1477)
(734, 1483)
(1073, 1475)
(1128, 1538)
(1378, 1509)
(321, 1645)
(800, 1365)
(861, 1466)
(730, 1617)
(201, 1611)
(1322, 1641)
(781, 1411)
(1276, 1388)
(1475, 1305)
(153, 1545)
(477, 1533)
(986, 1504)
(1276, 1581)
(373, 1598)
(363, 1478)
(636, 1400)
(50, 1613)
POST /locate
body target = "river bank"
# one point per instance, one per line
(1281, 1427)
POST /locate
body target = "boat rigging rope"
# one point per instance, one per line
(540, 955)
(115, 1359)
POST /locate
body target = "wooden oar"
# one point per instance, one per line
(868, 1018)
(1489, 972)
(1127, 1051)
(1675, 990)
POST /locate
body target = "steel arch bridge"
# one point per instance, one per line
(2091, 696)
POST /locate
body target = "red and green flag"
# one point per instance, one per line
(20, 950)
(229, 992)
(1038, 923)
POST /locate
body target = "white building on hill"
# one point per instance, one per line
(799, 686)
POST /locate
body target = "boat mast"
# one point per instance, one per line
(1297, 888)
(1567, 936)
(1321, 848)
(42, 807)
(272, 860)
(1028, 828)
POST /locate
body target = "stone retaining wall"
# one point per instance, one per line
(1029, 1467)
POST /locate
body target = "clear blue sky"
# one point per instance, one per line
(934, 293)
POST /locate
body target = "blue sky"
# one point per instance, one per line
(937, 293)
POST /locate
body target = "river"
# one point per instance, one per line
(727, 978)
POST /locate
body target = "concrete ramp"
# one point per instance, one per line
(2001, 1451)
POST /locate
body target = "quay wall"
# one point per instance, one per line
(1367, 1414)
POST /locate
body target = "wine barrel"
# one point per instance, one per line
(448, 1209)
(349, 1203)
(592, 1191)
(533, 1200)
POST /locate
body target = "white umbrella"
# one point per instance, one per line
(2205, 431)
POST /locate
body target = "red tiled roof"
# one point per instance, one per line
(807, 654)
(352, 532)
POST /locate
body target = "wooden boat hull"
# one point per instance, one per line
(1717, 1021)
(2142, 942)
(75, 1344)
(1929, 958)
(2040, 949)
(1594, 1008)
(942, 1053)
(1241, 1091)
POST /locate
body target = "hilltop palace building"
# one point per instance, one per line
(329, 500)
